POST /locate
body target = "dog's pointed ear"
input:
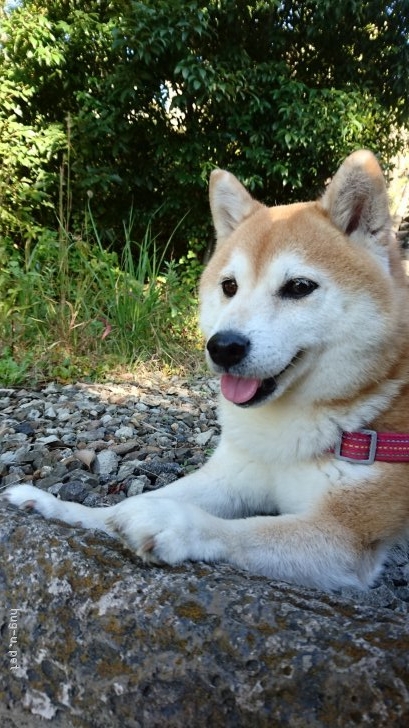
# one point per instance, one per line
(230, 202)
(356, 200)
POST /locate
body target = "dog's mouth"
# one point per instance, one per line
(245, 391)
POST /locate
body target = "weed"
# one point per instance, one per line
(78, 306)
(12, 371)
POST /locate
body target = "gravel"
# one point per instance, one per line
(98, 444)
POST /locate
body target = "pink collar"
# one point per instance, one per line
(366, 446)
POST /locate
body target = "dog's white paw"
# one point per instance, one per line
(161, 530)
(75, 514)
(31, 498)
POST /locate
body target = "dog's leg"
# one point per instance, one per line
(29, 497)
(341, 543)
(214, 488)
(316, 549)
(199, 487)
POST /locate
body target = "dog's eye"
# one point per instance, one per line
(298, 288)
(229, 287)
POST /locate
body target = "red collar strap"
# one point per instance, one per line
(366, 446)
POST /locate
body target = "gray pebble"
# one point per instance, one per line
(138, 485)
(73, 491)
(106, 462)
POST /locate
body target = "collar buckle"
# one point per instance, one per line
(373, 443)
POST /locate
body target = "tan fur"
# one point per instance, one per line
(377, 511)
(304, 227)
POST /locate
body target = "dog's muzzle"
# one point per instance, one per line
(227, 349)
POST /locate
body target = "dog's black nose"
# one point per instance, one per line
(228, 348)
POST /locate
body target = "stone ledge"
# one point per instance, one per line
(103, 640)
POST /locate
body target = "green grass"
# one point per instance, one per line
(70, 308)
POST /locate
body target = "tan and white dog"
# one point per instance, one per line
(305, 312)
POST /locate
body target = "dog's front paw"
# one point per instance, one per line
(31, 498)
(161, 530)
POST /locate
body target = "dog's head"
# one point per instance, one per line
(302, 296)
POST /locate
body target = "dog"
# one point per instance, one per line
(304, 309)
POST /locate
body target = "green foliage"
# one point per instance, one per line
(277, 92)
(138, 291)
(80, 306)
(159, 92)
(129, 106)
(12, 371)
(38, 51)
(25, 177)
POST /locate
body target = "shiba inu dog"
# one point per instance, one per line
(306, 317)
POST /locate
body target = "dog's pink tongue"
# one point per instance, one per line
(238, 389)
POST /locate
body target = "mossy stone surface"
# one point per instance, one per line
(103, 640)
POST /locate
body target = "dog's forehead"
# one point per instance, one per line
(299, 231)
(302, 233)
(304, 227)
